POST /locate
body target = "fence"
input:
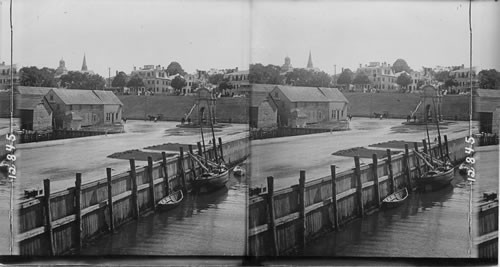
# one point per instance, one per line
(281, 132)
(29, 137)
(487, 239)
(61, 222)
(282, 222)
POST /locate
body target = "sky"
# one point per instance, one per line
(119, 35)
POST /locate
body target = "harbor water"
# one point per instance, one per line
(205, 224)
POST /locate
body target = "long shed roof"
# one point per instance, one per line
(312, 94)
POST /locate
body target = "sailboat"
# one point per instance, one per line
(214, 175)
(439, 172)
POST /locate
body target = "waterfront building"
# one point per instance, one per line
(263, 109)
(5, 76)
(34, 110)
(75, 109)
(486, 109)
(298, 106)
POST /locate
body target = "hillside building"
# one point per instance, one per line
(462, 76)
(5, 76)
(155, 78)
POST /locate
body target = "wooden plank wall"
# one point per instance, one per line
(351, 187)
(72, 225)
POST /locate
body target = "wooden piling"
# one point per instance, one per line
(407, 167)
(271, 221)
(419, 168)
(375, 179)
(182, 172)
(424, 142)
(221, 150)
(335, 216)
(165, 172)
(440, 147)
(446, 146)
(302, 210)
(48, 216)
(391, 174)
(78, 211)
(215, 150)
(191, 162)
(151, 182)
(110, 200)
(133, 179)
(359, 185)
(200, 151)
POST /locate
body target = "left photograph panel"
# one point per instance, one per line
(131, 127)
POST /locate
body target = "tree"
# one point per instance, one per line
(309, 78)
(79, 80)
(403, 80)
(450, 83)
(120, 80)
(261, 74)
(442, 76)
(32, 76)
(178, 83)
(215, 79)
(489, 79)
(135, 81)
(194, 86)
(361, 78)
(400, 65)
(345, 77)
(175, 68)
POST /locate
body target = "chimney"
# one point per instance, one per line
(360, 65)
(116, 73)
(135, 68)
(342, 70)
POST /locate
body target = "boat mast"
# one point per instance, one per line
(203, 138)
(213, 134)
(439, 132)
(427, 130)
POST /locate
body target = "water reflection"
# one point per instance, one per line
(203, 224)
(428, 224)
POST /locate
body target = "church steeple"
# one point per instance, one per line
(309, 62)
(84, 65)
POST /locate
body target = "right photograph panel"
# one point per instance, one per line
(374, 129)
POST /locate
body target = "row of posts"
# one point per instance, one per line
(135, 204)
(359, 192)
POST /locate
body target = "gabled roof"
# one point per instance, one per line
(28, 101)
(74, 96)
(108, 97)
(266, 88)
(31, 90)
(487, 93)
(312, 94)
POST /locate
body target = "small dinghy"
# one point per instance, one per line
(395, 199)
(171, 201)
(239, 171)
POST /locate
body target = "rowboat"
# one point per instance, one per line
(171, 201)
(238, 170)
(436, 178)
(211, 180)
(395, 199)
